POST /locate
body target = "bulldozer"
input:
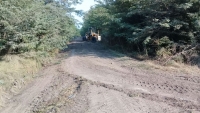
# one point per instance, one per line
(91, 35)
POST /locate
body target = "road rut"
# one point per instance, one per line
(93, 79)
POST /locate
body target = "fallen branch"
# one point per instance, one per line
(186, 50)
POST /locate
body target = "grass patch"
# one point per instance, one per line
(15, 73)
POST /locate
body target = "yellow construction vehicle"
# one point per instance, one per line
(91, 35)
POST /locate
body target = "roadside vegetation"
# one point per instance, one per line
(31, 33)
(166, 30)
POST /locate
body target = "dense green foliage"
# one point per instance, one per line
(152, 27)
(35, 25)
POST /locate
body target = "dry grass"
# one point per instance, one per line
(173, 66)
(15, 72)
(154, 66)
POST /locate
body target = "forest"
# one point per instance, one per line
(39, 26)
(166, 29)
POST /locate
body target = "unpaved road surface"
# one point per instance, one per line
(93, 79)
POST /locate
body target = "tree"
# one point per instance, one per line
(27, 25)
(148, 26)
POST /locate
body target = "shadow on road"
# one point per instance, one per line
(87, 48)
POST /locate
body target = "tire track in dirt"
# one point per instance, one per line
(98, 66)
(174, 102)
(53, 92)
(65, 95)
(92, 80)
(20, 103)
(194, 79)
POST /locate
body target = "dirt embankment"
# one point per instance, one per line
(93, 79)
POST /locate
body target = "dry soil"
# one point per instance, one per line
(94, 79)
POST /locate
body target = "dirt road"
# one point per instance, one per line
(93, 79)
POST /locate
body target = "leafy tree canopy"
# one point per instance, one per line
(147, 26)
(35, 25)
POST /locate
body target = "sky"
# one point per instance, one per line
(85, 6)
